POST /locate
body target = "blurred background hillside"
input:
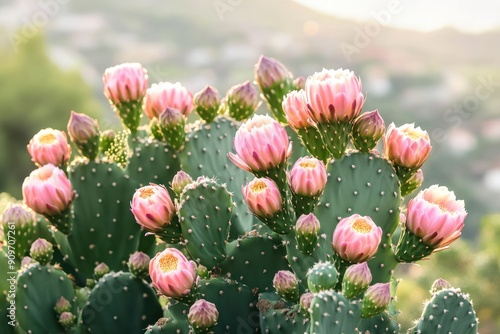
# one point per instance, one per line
(446, 80)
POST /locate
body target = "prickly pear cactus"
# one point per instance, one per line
(283, 224)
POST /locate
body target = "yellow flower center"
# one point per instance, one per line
(258, 186)
(47, 138)
(360, 225)
(308, 164)
(168, 263)
(146, 192)
(413, 134)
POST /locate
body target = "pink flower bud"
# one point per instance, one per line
(357, 278)
(307, 177)
(125, 83)
(242, 100)
(49, 146)
(269, 71)
(296, 111)
(307, 225)
(62, 305)
(375, 300)
(152, 207)
(172, 274)
(138, 264)
(166, 94)
(48, 191)
(206, 103)
(305, 301)
(407, 146)
(356, 238)
(100, 270)
(82, 128)
(180, 180)
(439, 284)
(19, 214)
(67, 319)
(286, 285)
(41, 250)
(367, 130)
(203, 315)
(334, 95)
(170, 117)
(436, 216)
(262, 197)
(299, 83)
(261, 143)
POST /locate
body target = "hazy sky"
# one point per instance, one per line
(424, 15)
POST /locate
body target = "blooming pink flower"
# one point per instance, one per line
(334, 95)
(407, 146)
(152, 207)
(436, 216)
(296, 111)
(261, 143)
(48, 191)
(49, 146)
(262, 197)
(166, 94)
(125, 83)
(356, 238)
(307, 177)
(171, 273)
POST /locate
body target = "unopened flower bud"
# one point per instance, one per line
(100, 270)
(206, 103)
(286, 285)
(413, 183)
(356, 280)
(305, 301)
(375, 300)
(307, 228)
(41, 250)
(242, 100)
(203, 315)
(67, 319)
(299, 83)
(107, 139)
(84, 132)
(439, 284)
(138, 264)
(180, 180)
(62, 305)
(171, 123)
(367, 130)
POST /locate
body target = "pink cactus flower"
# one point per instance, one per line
(436, 216)
(203, 315)
(261, 143)
(307, 177)
(82, 128)
(262, 197)
(125, 83)
(152, 207)
(166, 94)
(172, 274)
(49, 146)
(407, 146)
(296, 111)
(48, 191)
(305, 301)
(334, 95)
(357, 278)
(286, 284)
(356, 238)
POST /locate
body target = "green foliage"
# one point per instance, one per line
(34, 93)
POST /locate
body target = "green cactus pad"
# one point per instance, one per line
(104, 229)
(283, 320)
(235, 303)
(169, 326)
(381, 323)
(332, 313)
(121, 303)
(205, 209)
(205, 154)
(38, 290)
(448, 311)
(322, 276)
(254, 260)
